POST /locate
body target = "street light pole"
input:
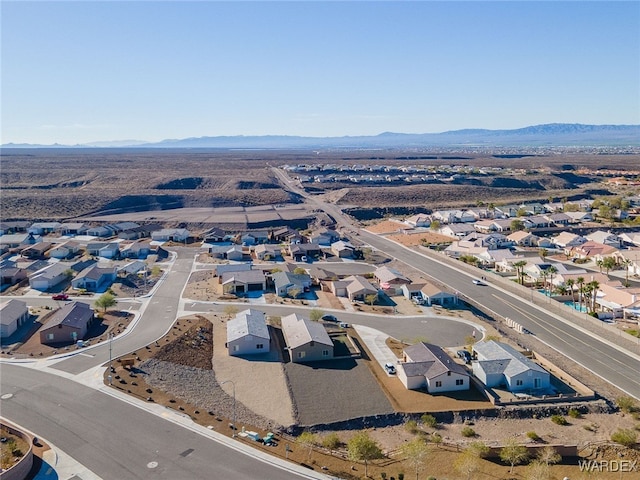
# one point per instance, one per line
(234, 405)
(110, 357)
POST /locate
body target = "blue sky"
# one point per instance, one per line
(77, 72)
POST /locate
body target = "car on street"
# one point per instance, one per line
(329, 318)
(343, 325)
(60, 296)
(464, 355)
(390, 368)
(478, 282)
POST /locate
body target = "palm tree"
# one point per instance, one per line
(594, 285)
(519, 265)
(580, 281)
(599, 263)
(569, 284)
(544, 274)
(626, 262)
(551, 271)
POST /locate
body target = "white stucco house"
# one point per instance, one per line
(248, 334)
(428, 366)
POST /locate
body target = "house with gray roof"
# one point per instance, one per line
(13, 314)
(428, 366)
(94, 278)
(391, 279)
(243, 281)
(171, 234)
(43, 228)
(291, 284)
(11, 275)
(248, 334)
(49, 276)
(19, 239)
(306, 341)
(67, 325)
(354, 287)
(500, 365)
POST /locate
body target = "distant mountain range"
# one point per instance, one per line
(548, 135)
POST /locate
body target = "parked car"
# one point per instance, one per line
(329, 318)
(464, 355)
(344, 325)
(390, 368)
(60, 296)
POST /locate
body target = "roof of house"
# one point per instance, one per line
(52, 271)
(357, 284)
(95, 272)
(282, 279)
(247, 322)
(246, 276)
(386, 274)
(75, 314)
(11, 309)
(299, 331)
(496, 352)
(429, 360)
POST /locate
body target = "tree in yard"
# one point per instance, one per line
(570, 284)
(538, 470)
(308, 439)
(230, 310)
(435, 225)
(609, 263)
(551, 271)
(105, 301)
(363, 448)
(416, 453)
(517, 225)
(580, 282)
(299, 271)
(519, 266)
(315, 314)
(549, 455)
(544, 253)
(371, 298)
(514, 454)
(593, 289)
(468, 462)
(294, 292)
(69, 273)
(331, 441)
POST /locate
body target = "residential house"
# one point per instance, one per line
(72, 228)
(285, 235)
(523, 238)
(13, 314)
(49, 277)
(94, 278)
(232, 267)
(248, 333)
(592, 250)
(605, 238)
(428, 366)
(18, 226)
(628, 238)
(568, 240)
(618, 301)
(306, 341)
(579, 217)
(457, 230)
(531, 208)
(265, 251)
(93, 248)
(447, 216)
(15, 240)
(309, 250)
(36, 251)
(559, 219)
(140, 249)
(629, 259)
(418, 220)
(43, 228)
(495, 225)
(342, 249)
(132, 268)
(498, 364)
(239, 282)
(355, 288)
(102, 231)
(390, 279)
(216, 235)
(429, 294)
(170, 235)
(291, 284)
(324, 237)
(234, 252)
(536, 221)
(141, 231)
(11, 275)
(110, 250)
(65, 250)
(506, 211)
(253, 237)
(490, 258)
(68, 324)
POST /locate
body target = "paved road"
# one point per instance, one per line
(601, 358)
(116, 440)
(604, 360)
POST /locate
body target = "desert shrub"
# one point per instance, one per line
(574, 413)
(533, 436)
(626, 404)
(559, 420)
(436, 438)
(591, 427)
(625, 437)
(468, 432)
(429, 420)
(411, 426)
